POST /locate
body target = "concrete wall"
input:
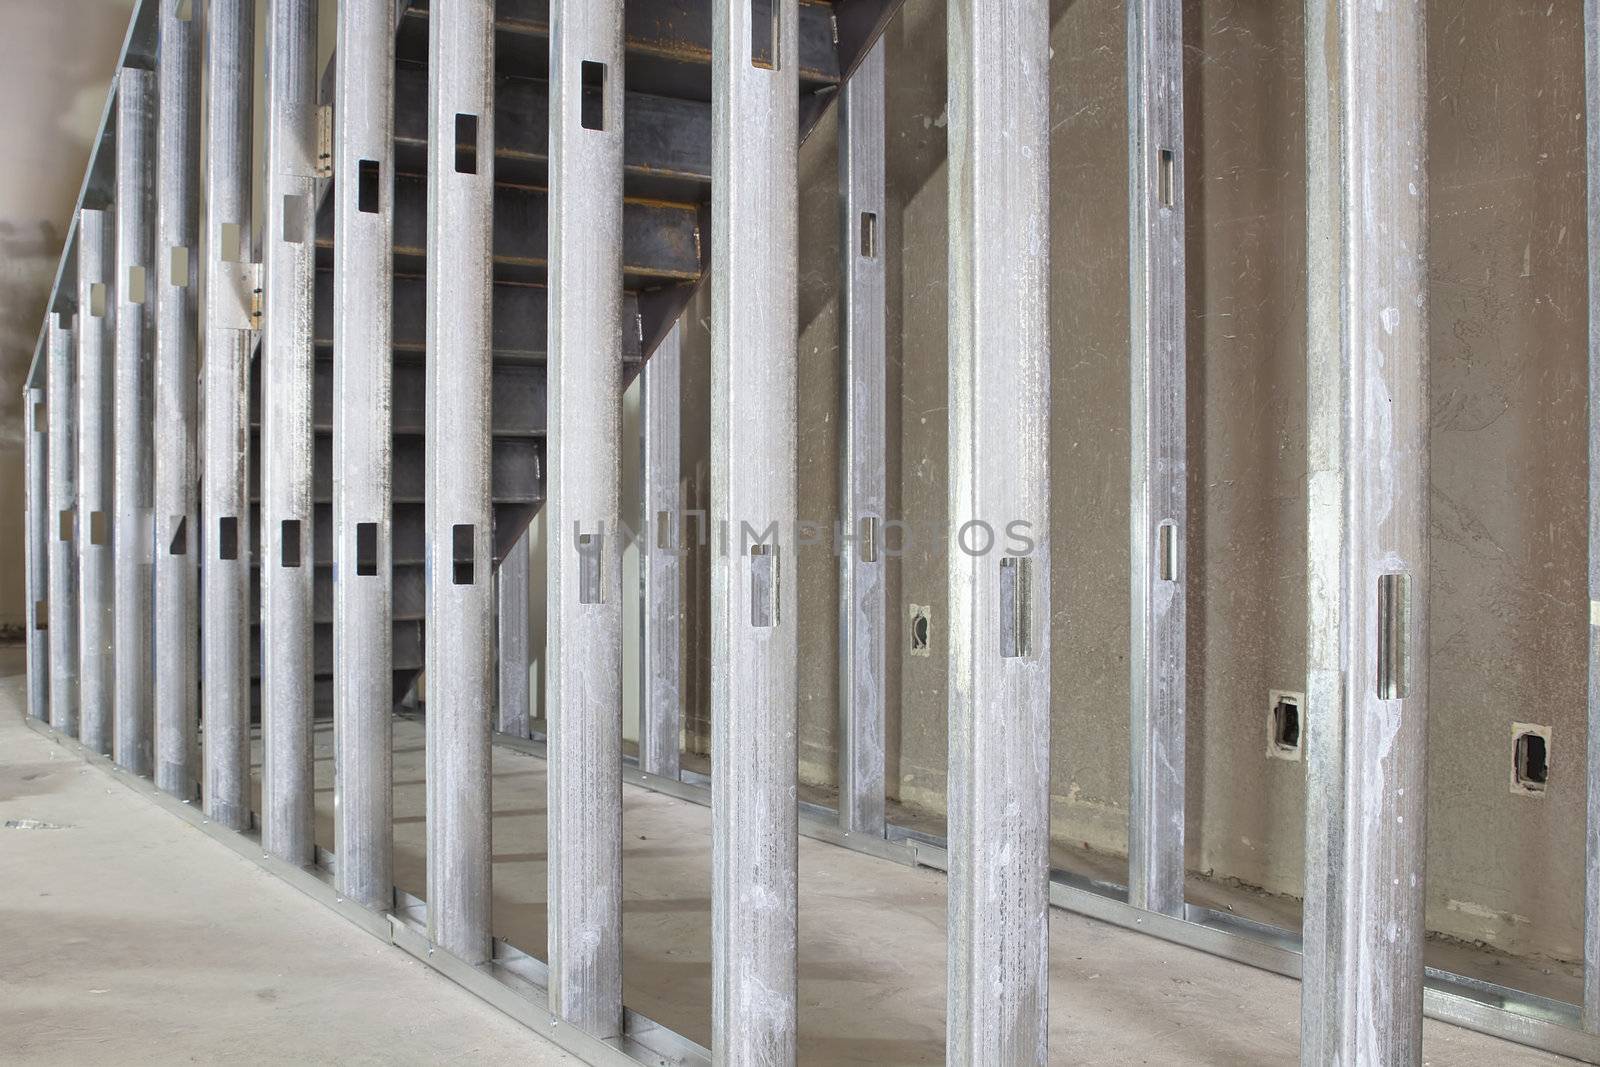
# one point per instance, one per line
(1508, 499)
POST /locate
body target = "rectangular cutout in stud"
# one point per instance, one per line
(664, 530)
(763, 585)
(179, 545)
(1285, 724)
(289, 543)
(99, 529)
(463, 553)
(136, 286)
(869, 235)
(97, 299)
(1166, 176)
(294, 218)
(869, 539)
(367, 188)
(228, 538)
(64, 525)
(466, 144)
(764, 42)
(1167, 550)
(41, 417)
(593, 105)
(1530, 759)
(589, 557)
(41, 618)
(366, 549)
(184, 10)
(1392, 592)
(178, 266)
(1016, 607)
(232, 242)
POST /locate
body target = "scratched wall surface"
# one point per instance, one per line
(1508, 409)
(56, 61)
(1509, 496)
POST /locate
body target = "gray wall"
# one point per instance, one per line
(1508, 498)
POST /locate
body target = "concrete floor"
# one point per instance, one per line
(128, 935)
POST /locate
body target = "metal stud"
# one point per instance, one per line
(863, 504)
(1159, 460)
(1367, 471)
(754, 331)
(176, 512)
(230, 281)
(287, 567)
(999, 510)
(363, 616)
(460, 660)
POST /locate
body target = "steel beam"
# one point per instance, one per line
(132, 740)
(363, 574)
(661, 562)
(754, 618)
(287, 363)
(1159, 461)
(511, 592)
(999, 513)
(176, 503)
(1591, 904)
(228, 282)
(95, 685)
(460, 661)
(1367, 535)
(863, 479)
(61, 516)
(583, 695)
(37, 508)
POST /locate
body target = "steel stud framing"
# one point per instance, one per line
(863, 482)
(287, 565)
(132, 740)
(176, 504)
(999, 783)
(583, 697)
(61, 518)
(1367, 540)
(36, 482)
(754, 331)
(114, 537)
(227, 338)
(92, 515)
(459, 657)
(661, 563)
(1159, 463)
(363, 631)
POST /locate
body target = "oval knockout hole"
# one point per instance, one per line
(920, 626)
